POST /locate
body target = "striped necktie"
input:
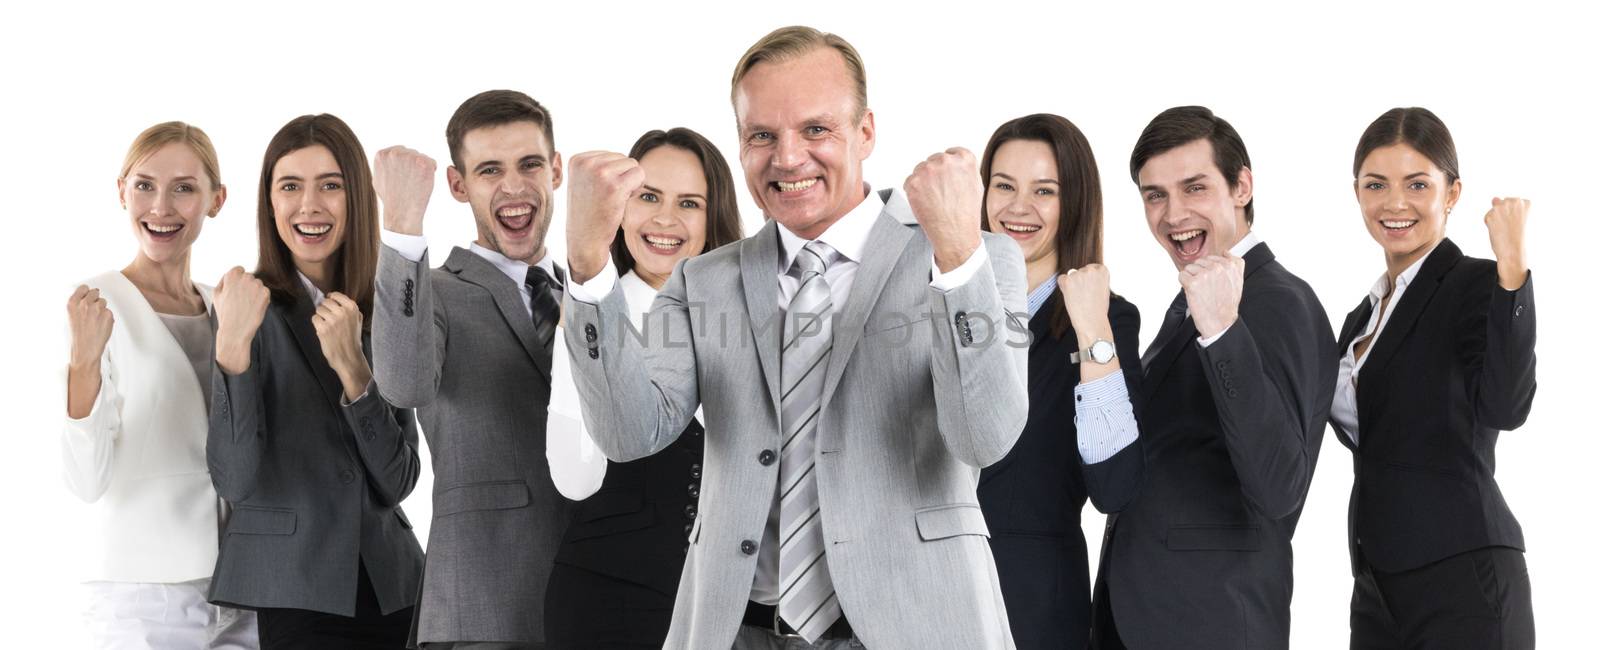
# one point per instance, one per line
(806, 600)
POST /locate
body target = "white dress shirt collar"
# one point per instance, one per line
(515, 269)
(1247, 242)
(311, 289)
(848, 235)
(1380, 289)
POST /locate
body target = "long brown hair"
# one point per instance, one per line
(722, 207)
(355, 266)
(1079, 230)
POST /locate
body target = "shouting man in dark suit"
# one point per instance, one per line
(1236, 393)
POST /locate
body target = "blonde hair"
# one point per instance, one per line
(165, 133)
(787, 43)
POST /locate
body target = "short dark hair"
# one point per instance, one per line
(357, 265)
(1417, 128)
(722, 205)
(1181, 125)
(493, 108)
(1079, 232)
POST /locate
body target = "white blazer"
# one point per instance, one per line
(140, 455)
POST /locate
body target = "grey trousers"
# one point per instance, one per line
(755, 638)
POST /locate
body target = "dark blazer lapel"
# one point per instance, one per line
(507, 296)
(298, 318)
(758, 270)
(1355, 322)
(882, 256)
(1418, 294)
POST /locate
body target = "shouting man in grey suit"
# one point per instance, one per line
(468, 345)
(856, 371)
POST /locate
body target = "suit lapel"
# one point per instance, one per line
(507, 298)
(1418, 294)
(758, 270)
(298, 318)
(882, 255)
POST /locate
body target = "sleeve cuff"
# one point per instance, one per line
(1206, 341)
(364, 393)
(411, 247)
(961, 274)
(1104, 418)
(597, 288)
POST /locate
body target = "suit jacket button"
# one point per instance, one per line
(747, 547)
(347, 476)
(766, 457)
(594, 353)
(694, 490)
(690, 511)
(694, 470)
(589, 334)
(1518, 312)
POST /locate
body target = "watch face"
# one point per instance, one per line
(1102, 351)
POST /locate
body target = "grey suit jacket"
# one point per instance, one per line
(922, 390)
(315, 485)
(457, 344)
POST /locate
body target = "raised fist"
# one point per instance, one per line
(1506, 222)
(403, 179)
(91, 322)
(599, 186)
(1213, 286)
(1086, 293)
(946, 196)
(241, 302)
(338, 325)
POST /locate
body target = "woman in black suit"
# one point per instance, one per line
(1437, 361)
(1043, 190)
(312, 459)
(616, 574)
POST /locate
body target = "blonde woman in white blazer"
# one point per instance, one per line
(138, 382)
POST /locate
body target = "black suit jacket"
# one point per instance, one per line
(1453, 367)
(316, 486)
(1032, 498)
(1201, 557)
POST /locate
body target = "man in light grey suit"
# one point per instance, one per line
(468, 345)
(857, 365)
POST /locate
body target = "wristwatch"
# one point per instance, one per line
(1101, 352)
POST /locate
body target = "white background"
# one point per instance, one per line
(1300, 84)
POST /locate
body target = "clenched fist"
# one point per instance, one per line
(600, 183)
(946, 195)
(403, 179)
(91, 322)
(338, 325)
(1506, 222)
(1086, 293)
(241, 302)
(1213, 286)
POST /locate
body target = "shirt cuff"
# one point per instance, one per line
(1205, 342)
(959, 275)
(597, 288)
(1104, 418)
(411, 247)
(366, 391)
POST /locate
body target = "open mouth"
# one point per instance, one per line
(162, 232)
(515, 218)
(662, 244)
(1398, 225)
(1188, 243)
(787, 187)
(312, 233)
(1020, 229)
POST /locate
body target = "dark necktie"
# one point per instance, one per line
(546, 306)
(1169, 326)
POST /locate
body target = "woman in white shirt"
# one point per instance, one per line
(616, 575)
(138, 383)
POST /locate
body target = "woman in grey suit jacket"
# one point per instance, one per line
(312, 458)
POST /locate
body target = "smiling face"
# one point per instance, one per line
(509, 176)
(1405, 200)
(1023, 199)
(308, 207)
(666, 219)
(168, 197)
(1188, 204)
(801, 144)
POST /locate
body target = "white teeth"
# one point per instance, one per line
(516, 211)
(796, 186)
(1398, 225)
(663, 241)
(1016, 227)
(163, 229)
(1186, 235)
(306, 229)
